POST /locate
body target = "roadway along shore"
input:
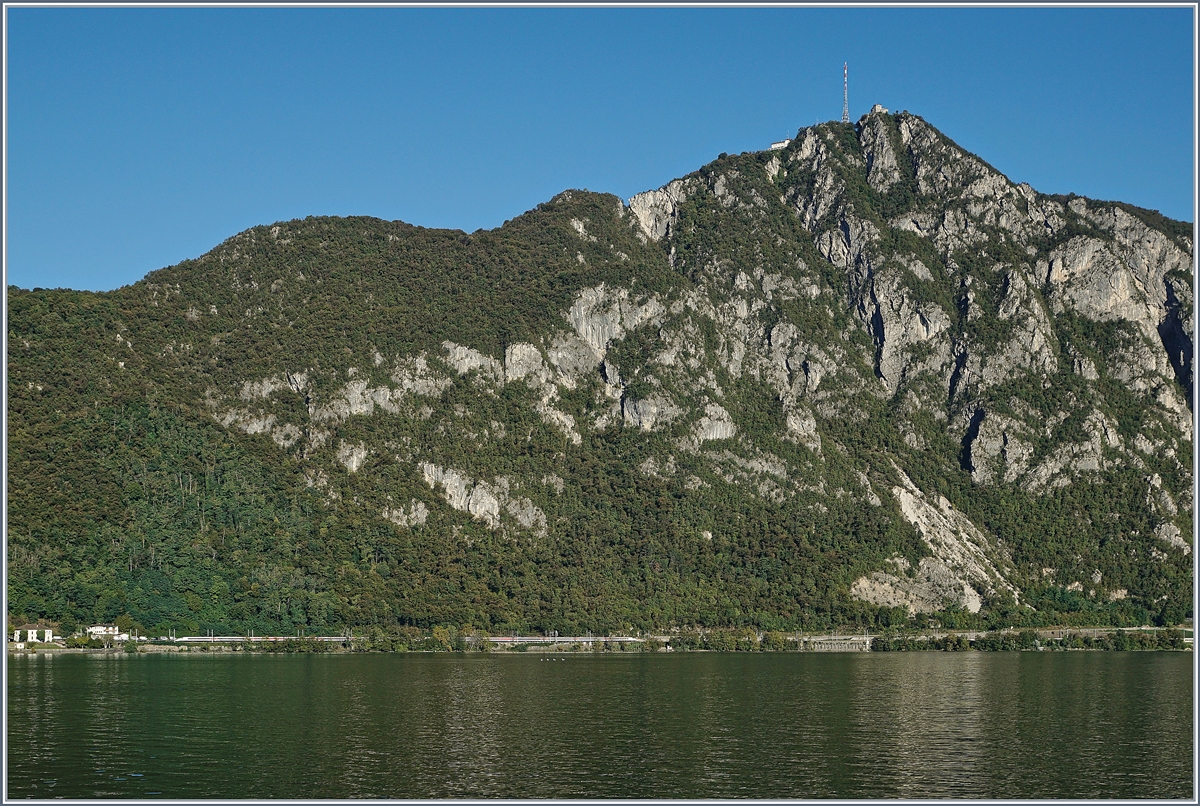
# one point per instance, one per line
(1056, 637)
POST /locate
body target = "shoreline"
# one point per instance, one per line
(1058, 639)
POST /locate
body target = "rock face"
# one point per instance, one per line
(883, 169)
(866, 346)
(657, 211)
(960, 572)
(483, 500)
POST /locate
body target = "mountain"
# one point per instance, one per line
(859, 380)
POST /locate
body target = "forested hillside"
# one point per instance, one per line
(860, 380)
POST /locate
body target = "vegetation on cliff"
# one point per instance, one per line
(581, 421)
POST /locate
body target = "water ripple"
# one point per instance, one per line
(896, 725)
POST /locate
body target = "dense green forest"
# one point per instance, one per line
(135, 492)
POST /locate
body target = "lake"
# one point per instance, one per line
(761, 725)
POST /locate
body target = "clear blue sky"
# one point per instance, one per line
(138, 137)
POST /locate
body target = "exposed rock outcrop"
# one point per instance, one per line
(484, 500)
(963, 569)
(657, 211)
(883, 169)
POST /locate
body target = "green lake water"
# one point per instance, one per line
(787, 725)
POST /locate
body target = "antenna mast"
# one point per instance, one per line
(845, 92)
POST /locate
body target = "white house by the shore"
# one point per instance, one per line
(34, 634)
